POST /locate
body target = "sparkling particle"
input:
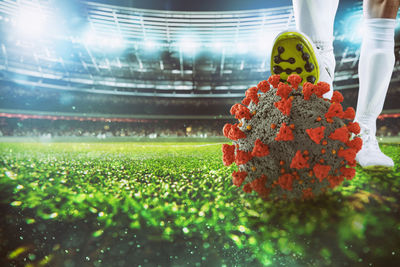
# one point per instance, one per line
(30, 221)
(242, 228)
(16, 203)
(11, 175)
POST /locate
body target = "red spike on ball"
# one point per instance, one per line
(337, 97)
(308, 90)
(285, 133)
(283, 90)
(356, 143)
(242, 112)
(252, 94)
(238, 177)
(349, 113)
(321, 171)
(226, 129)
(246, 101)
(341, 134)
(353, 127)
(299, 162)
(294, 80)
(274, 80)
(348, 154)
(335, 110)
(286, 181)
(349, 173)
(242, 157)
(228, 154)
(258, 185)
(322, 88)
(284, 105)
(260, 149)
(263, 86)
(316, 134)
(235, 133)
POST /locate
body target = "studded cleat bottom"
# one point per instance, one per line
(293, 53)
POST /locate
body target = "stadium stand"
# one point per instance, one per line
(142, 64)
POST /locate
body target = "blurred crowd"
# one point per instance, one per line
(145, 128)
(388, 127)
(40, 99)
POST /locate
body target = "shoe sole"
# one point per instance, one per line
(299, 57)
(376, 168)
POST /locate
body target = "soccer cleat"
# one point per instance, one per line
(370, 156)
(294, 53)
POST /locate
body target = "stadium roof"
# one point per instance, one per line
(172, 27)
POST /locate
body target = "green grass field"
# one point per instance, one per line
(173, 204)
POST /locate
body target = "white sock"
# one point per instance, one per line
(316, 18)
(375, 69)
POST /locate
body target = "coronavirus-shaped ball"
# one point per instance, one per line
(289, 141)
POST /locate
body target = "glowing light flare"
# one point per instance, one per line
(150, 45)
(264, 43)
(30, 21)
(242, 48)
(217, 45)
(188, 46)
(353, 28)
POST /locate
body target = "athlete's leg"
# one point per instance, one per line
(375, 70)
(316, 18)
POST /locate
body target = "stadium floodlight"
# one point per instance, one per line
(30, 21)
(264, 43)
(241, 48)
(115, 42)
(150, 45)
(353, 30)
(217, 45)
(188, 46)
(359, 31)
